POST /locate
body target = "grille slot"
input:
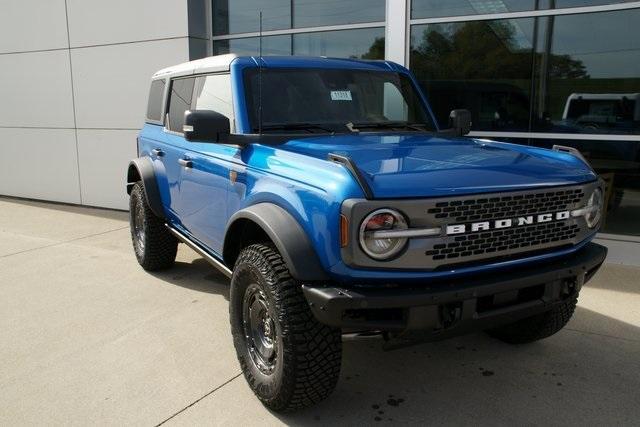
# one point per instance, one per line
(500, 242)
(497, 241)
(506, 206)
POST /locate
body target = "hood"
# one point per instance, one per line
(424, 165)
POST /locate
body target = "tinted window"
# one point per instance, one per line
(242, 16)
(367, 43)
(179, 102)
(214, 93)
(156, 98)
(314, 13)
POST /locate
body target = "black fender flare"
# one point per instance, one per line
(287, 235)
(141, 169)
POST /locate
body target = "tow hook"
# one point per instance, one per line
(450, 314)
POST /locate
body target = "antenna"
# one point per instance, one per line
(260, 79)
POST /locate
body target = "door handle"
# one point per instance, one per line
(157, 152)
(187, 163)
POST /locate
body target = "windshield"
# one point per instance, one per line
(334, 100)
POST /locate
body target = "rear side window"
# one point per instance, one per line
(156, 97)
(179, 102)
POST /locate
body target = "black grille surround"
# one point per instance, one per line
(473, 247)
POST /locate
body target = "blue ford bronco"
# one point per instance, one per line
(327, 192)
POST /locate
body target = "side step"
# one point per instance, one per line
(202, 252)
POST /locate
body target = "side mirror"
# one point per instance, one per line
(460, 122)
(206, 126)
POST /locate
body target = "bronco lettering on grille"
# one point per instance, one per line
(507, 223)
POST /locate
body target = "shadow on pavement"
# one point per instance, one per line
(197, 275)
(571, 378)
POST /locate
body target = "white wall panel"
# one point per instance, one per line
(93, 22)
(111, 83)
(32, 25)
(39, 164)
(104, 156)
(35, 90)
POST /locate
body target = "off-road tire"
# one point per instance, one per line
(308, 366)
(537, 327)
(159, 247)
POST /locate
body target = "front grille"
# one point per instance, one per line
(506, 206)
(495, 243)
(473, 229)
(492, 242)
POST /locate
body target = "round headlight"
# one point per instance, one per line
(594, 208)
(377, 244)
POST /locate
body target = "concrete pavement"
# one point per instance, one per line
(88, 337)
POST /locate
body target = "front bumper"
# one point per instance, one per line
(453, 307)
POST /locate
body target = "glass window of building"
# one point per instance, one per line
(441, 8)
(588, 73)
(366, 43)
(483, 66)
(445, 8)
(250, 46)
(314, 13)
(242, 16)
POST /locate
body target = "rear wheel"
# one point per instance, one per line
(155, 247)
(537, 327)
(288, 358)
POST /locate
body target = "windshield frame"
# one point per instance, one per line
(316, 127)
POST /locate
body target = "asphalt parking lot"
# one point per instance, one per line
(88, 337)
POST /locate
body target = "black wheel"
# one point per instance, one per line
(289, 359)
(154, 245)
(537, 327)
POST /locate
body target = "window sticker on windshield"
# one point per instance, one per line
(341, 95)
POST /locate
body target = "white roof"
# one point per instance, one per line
(210, 64)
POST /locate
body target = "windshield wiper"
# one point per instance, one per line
(422, 127)
(297, 126)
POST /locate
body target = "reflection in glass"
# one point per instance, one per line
(588, 73)
(618, 163)
(444, 8)
(367, 43)
(213, 93)
(483, 66)
(314, 13)
(242, 16)
(250, 46)
(441, 8)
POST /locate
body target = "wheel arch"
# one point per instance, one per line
(141, 169)
(268, 221)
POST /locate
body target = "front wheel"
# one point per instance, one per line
(288, 358)
(537, 327)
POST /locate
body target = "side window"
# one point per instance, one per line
(156, 99)
(214, 93)
(179, 102)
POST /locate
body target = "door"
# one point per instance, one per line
(206, 182)
(173, 152)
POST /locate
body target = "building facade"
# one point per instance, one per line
(535, 72)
